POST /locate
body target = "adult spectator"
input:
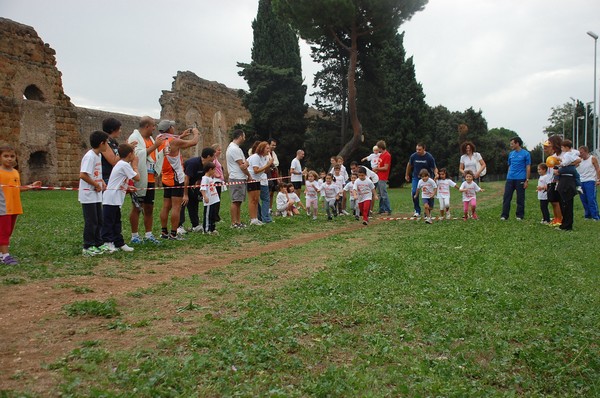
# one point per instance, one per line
(193, 169)
(219, 178)
(238, 176)
(258, 163)
(471, 160)
(172, 174)
(296, 171)
(589, 171)
(552, 148)
(110, 156)
(273, 173)
(383, 172)
(517, 178)
(150, 161)
(418, 161)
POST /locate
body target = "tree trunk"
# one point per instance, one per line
(353, 144)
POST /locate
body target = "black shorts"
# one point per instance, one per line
(148, 199)
(297, 184)
(553, 195)
(253, 186)
(173, 192)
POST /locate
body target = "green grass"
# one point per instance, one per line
(452, 309)
(105, 309)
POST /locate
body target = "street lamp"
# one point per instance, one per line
(587, 105)
(576, 140)
(595, 37)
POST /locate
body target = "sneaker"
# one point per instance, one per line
(365, 223)
(502, 218)
(475, 216)
(181, 230)
(126, 248)
(344, 212)
(136, 240)
(197, 228)
(544, 222)
(215, 232)
(580, 190)
(465, 218)
(314, 218)
(256, 222)
(175, 237)
(151, 239)
(105, 248)
(164, 236)
(416, 215)
(111, 247)
(519, 219)
(241, 225)
(85, 252)
(356, 218)
(448, 216)
(428, 220)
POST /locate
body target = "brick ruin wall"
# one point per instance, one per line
(51, 134)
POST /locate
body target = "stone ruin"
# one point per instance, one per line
(51, 135)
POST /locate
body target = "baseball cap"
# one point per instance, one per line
(164, 125)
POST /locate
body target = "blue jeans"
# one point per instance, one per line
(509, 188)
(384, 200)
(588, 199)
(416, 204)
(265, 204)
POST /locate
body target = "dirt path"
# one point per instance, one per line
(34, 329)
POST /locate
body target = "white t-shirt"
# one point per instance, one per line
(208, 185)
(116, 188)
(372, 175)
(349, 186)
(427, 188)
(294, 197)
(364, 189)
(311, 189)
(471, 163)
(444, 188)
(343, 172)
(329, 191)
(91, 164)
(339, 181)
(297, 168)
(374, 159)
(569, 157)
(233, 154)
(258, 161)
(281, 201)
(471, 189)
(543, 181)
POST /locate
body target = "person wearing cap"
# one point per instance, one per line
(149, 162)
(173, 175)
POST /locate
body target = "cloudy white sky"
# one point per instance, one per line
(513, 59)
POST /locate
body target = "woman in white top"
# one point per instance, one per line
(258, 164)
(471, 160)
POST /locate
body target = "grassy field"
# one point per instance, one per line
(400, 308)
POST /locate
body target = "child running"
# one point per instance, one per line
(469, 189)
(331, 193)
(211, 199)
(364, 192)
(10, 199)
(542, 191)
(340, 181)
(428, 189)
(443, 193)
(348, 188)
(114, 196)
(311, 191)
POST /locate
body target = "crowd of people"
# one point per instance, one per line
(109, 171)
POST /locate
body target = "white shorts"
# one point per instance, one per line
(444, 203)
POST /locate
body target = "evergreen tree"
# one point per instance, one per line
(276, 94)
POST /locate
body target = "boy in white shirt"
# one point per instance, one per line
(364, 192)
(428, 189)
(331, 193)
(311, 191)
(542, 192)
(210, 197)
(118, 185)
(348, 188)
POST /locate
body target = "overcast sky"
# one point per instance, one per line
(513, 59)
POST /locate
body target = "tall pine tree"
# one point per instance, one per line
(276, 94)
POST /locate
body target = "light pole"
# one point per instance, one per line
(595, 37)
(587, 105)
(574, 108)
(576, 140)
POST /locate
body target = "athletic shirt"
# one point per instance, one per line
(150, 160)
(444, 188)
(329, 191)
(208, 184)
(118, 184)
(310, 189)
(107, 167)
(172, 170)
(297, 168)
(91, 164)
(470, 190)
(339, 181)
(586, 170)
(364, 189)
(10, 197)
(427, 188)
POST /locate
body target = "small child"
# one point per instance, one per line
(566, 166)
(211, 199)
(469, 188)
(114, 196)
(348, 188)
(311, 191)
(373, 158)
(428, 189)
(340, 181)
(91, 186)
(322, 175)
(542, 187)
(10, 197)
(443, 194)
(293, 196)
(364, 192)
(331, 193)
(283, 203)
